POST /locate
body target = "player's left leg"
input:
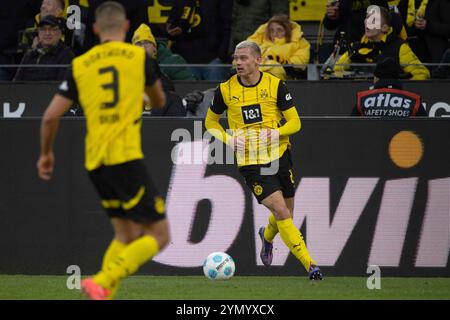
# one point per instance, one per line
(268, 233)
(125, 231)
(155, 237)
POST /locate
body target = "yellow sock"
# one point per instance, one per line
(272, 228)
(128, 262)
(113, 251)
(294, 240)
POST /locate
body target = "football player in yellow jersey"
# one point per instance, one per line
(256, 102)
(109, 83)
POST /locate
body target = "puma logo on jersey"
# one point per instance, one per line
(64, 86)
(237, 98)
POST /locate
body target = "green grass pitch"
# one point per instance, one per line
(238, 288)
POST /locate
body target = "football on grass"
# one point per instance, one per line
(219, 266)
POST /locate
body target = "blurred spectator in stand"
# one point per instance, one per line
(348, 16)
(281, 42)
(13, 18)
(200, 31)
(378, 43)
(248, 15)
(75, 32)
(443, 70)
(397, 20)
(29, 38)
(78, 34)
(387, 98)
(50, 8)
(136, 11)
(143, 37)
(428, 26)
(49, 50)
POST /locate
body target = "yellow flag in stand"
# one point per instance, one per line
(307, 10)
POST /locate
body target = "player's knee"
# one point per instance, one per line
(164, 240)
(160, 231)
(127, 238)
(164, 237)
(281, 212)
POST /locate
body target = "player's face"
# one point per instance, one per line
(246, 61)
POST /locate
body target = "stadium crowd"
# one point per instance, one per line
(205, 33)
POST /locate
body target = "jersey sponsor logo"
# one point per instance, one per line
(252, 114)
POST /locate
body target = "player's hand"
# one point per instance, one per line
(238, 143)
(269, 136)
(45, 166)
(147, 103)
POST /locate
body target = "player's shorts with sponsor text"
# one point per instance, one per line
(264, 185)
(127, 191)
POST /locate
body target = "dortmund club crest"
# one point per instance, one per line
(263, 94)
(257, 189)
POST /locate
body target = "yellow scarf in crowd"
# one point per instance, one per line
(394, 2)
(412, 13)
(82, 3)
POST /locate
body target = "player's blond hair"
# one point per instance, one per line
(110, 16)
(253, 46)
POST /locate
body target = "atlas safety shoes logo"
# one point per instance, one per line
(387, 102)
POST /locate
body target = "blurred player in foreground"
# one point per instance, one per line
(256, 102)
(109, 83)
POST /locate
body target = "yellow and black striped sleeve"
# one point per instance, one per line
(68, 88)
(218, 104)
(152, 71)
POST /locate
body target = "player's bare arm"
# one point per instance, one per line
(156, 95)
(49, 127)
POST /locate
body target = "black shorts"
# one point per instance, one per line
(264, 185)
(127, 192)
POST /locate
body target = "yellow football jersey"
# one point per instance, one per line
(251, 109)
(108, 82)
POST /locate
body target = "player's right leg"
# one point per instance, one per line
(268, 233)
(288, 231)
